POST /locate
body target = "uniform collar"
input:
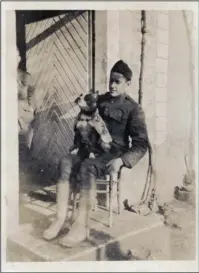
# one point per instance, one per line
(116, 99)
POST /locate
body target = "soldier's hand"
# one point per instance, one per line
(114, 165)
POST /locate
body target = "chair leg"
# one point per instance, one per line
(110, 203)
(94, 201)
(107, 201)
(74, 210)
(119, 196)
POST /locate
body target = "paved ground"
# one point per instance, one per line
(126, 241)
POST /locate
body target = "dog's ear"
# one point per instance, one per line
(95, 93)
(92, 91)
(78, 98)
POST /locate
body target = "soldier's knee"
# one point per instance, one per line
(66, 161)
(66, 165)
(88, 167)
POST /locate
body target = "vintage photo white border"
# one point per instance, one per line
(9, 141)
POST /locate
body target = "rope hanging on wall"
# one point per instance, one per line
(143, 41)
(148, 198)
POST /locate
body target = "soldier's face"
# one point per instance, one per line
(117, 84)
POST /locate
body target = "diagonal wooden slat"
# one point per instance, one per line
(44, 24)
(69, 71)
(85, 16)
(38, 28)
(62, 146)
(53, 112)
(47, 23)
(63, 137)
(45, 77)
(75, 41)
(83, 24)
(79, 36)
(71, 88)
(34, 55)
(36, 64)
(65, 94)
(59, 66)
(54, 152)
(59, 134)
(48, 99)
(30, 31)
(80, 32)
(69, 59)
(62, 41)
(56, 114)
(70, 107)
(66, 105)
(68, 36)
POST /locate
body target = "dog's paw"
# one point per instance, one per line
(91, 155)
(105, 146)
(74, 151)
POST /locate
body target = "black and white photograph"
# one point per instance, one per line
(99, 135)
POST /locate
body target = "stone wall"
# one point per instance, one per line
(166, 88)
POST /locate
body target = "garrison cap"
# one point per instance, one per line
(122, 68)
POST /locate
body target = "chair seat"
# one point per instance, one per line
(102, 181)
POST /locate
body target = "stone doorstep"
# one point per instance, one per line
(29, 238)
(50, 251)
(129, 230)
(154, 237)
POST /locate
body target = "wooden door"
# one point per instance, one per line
(58, 51)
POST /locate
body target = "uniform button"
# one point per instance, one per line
(111, 101)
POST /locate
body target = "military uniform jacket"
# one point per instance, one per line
(125, 121)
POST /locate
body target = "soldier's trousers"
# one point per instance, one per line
(74, 168)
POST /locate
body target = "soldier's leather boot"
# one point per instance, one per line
(63, 191)
(79, 231)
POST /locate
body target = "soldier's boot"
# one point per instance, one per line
(80, 229)
(61, 222)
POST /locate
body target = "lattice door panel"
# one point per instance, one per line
(58, 59)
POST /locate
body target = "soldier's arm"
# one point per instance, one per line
(139, 138)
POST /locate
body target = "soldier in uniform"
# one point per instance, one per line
(125, 120)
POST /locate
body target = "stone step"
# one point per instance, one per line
(152, 242)
(102, 246)
(131, 237)
(29, 238)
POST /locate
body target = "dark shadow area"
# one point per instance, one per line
(111, 251)
(32, 16)
(33, 174)
(47, 196)
(26, 17)
(67, 18)
(51, 140)
(21, 36)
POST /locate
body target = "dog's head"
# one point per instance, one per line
(88, 102)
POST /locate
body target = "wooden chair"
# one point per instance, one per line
(108, 183)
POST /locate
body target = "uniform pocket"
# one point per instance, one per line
(118, 115)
